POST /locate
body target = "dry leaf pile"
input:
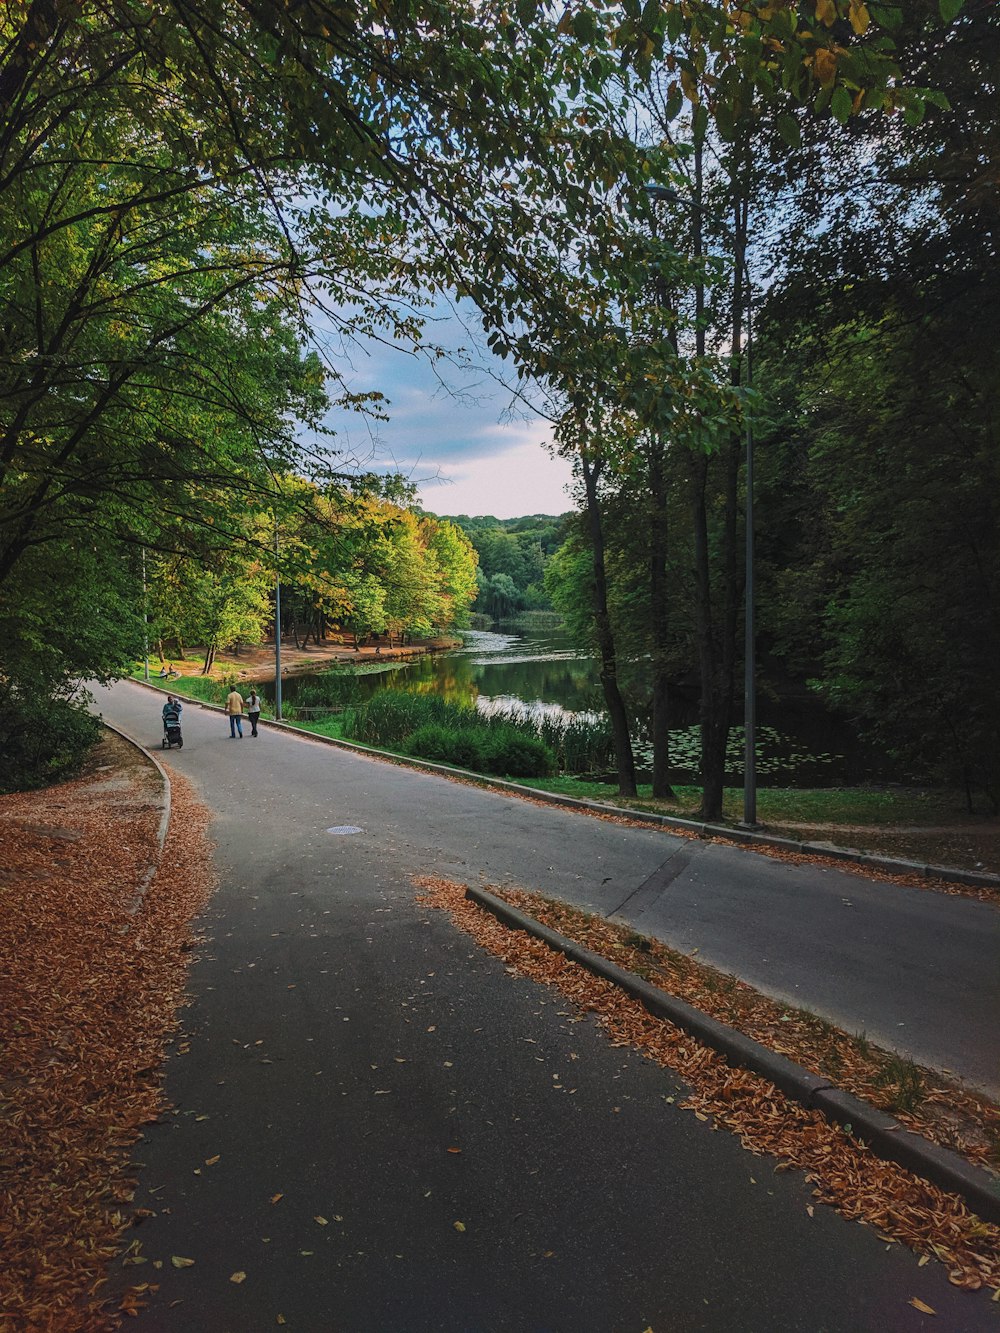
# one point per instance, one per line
(903, 1207)
(88, 995)
(946, 1112)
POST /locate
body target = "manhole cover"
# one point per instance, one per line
(345, 828)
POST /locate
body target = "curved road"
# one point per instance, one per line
(343, 1042)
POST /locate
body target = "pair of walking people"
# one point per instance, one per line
(235, 707)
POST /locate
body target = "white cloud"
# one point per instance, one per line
(518, 477)
(451, 431)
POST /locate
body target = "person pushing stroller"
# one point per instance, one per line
(172, 723)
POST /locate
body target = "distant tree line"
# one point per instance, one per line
(349, 560)
(513, 556)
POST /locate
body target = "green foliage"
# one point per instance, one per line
(432, 727)
(43, 740)
(513, 555)
(336, 689)
(463, 747)
(580, 745)
(203, 688)
(499, 597)
(219, 600)
(69, 611)
(513, 753)
(497, 750)
(392, 715)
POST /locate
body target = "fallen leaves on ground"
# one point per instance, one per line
(847, 1176)
(943, 1111)
(89, 994)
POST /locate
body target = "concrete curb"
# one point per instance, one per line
(161, 832)
(884, 1135)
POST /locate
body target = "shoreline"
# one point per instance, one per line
(257, 664)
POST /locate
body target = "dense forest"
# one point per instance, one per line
(514, 554)
(351, 560)
(184, 203)
(869, 250)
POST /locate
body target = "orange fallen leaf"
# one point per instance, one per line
(321, 1220)
(454, 1149)
(918, 1304)
(276, 1197)
(179, 1261)
(238, 1277)
(211, 1161)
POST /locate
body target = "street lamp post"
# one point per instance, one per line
(277, 627)
(663, 192)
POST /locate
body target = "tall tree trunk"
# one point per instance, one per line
(209, 659)
(624, 759)
(717, 618)
(660, 719)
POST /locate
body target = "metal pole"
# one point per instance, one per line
(277, 628)
(145, 620)
(749, 647)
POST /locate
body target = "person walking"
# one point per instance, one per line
(234, 707)
(253, 710)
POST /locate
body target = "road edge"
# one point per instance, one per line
(882, 1133)
(161, 832)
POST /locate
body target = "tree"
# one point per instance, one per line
(883, 390)
(215, 604)
(454, 559)
(178, 192)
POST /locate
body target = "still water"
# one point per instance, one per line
(533, 670)
(541, 671)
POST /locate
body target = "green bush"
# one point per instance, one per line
(482, 749)
(446, 745)
(430, 726)
(391, 715)
(43, 741)
(511, 752)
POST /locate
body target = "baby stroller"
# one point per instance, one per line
(172, 731)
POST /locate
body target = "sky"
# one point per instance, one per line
(453, 431)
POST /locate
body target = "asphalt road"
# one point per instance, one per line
(343, 1042)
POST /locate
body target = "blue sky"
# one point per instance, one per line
(453, 430)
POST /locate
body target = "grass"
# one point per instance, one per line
(903, 1082)
(324, 726)
(777, 805)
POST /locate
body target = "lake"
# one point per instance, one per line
(799, 743)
